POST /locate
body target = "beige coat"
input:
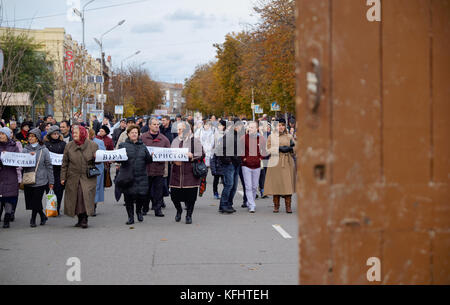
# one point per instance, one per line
(280, 178)
(74, 171)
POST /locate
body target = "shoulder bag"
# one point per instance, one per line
(29, 178)
(199, 167)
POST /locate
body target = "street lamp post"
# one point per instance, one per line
(82, 16)
(100, 43)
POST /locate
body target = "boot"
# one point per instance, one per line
(95, 211)
(84, 222)
(13, 217)
(179, 211)
(130, 212)
(276, 203)
(189, 213)
(139, 215)
(6, 221)
(33, 219)
(288, 201)
(78, 225)
(44, 218)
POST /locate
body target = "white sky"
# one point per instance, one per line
(173, 35)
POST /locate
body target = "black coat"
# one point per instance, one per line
(138, 158)
(167, 132)
(216, 166)
(56, 147)
(230, 155)
(116, 134)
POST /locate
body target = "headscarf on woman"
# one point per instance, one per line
(83, 135)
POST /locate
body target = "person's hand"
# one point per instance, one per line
(50, 186)
(190, 155)
(62, 182)
(32, 153)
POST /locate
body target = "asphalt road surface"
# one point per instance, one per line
(238, 249)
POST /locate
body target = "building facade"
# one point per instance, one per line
(71, 65)
(173, 102)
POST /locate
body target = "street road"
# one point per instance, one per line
(216, 249)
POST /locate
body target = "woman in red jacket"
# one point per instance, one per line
(251, 163)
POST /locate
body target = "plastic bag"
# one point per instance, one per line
(51, 206)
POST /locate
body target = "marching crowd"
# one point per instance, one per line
(260, 154)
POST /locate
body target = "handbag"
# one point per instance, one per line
(29, 178)
(125, 177)
(199, 167)
(92, 171)
(108, 181)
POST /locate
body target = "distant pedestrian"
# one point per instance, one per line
(280, 179)
(254, 146)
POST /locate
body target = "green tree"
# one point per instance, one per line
(26, 69)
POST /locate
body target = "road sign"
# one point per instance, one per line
(275, 107)
(91, 107)
(102, 98)
(161, 112)
(95, 79)
(259, 109)
(119, 109)
(99, 114)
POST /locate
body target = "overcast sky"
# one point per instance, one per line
(173, 35)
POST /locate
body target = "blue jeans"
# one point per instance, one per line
(231, 180)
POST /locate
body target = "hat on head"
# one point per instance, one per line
(7, 132)
(53, 129)
(131, 120)
(26, 124)
(106, 129)
(37, 133)
(282, 121)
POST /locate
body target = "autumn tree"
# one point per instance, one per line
(136, 90)
(258, 63)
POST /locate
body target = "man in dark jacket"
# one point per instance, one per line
(166, 129)
(230, 151)
(65, 131)
(118, 131)
(155, 170)
(96, 125)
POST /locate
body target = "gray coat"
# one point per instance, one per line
(44, 173)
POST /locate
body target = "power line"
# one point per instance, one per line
(92, 9)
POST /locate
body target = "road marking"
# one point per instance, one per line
(282, 231)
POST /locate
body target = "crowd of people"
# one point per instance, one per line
(260, 154)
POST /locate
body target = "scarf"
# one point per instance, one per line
(83, 136)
